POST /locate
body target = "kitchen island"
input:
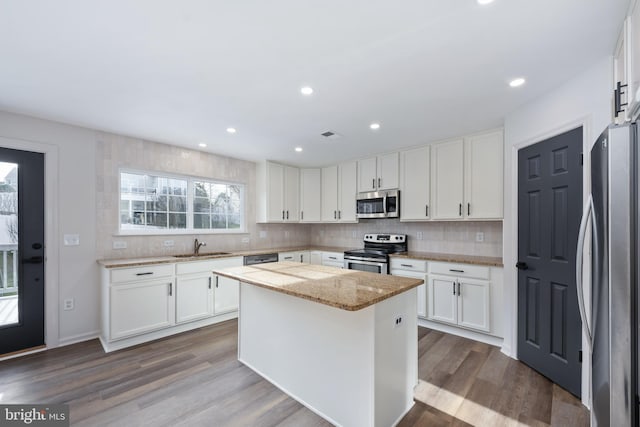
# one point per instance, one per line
(341, 342)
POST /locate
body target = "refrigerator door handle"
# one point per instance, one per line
(586, 215)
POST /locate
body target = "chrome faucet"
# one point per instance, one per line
(197, 245)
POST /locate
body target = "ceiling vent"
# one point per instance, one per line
(331, 134)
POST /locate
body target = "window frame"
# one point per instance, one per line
(189, 230)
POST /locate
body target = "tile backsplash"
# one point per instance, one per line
(115, 152)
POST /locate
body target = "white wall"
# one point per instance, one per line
(583, 101)
(71, 153)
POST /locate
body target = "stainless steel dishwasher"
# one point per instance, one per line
(260, 259)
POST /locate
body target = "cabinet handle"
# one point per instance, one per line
(301, 215)
(300, 257)
(458, 288)
(407, 265)
(170, 289)
(460, 209)
(426, 210)
(456, 271)
(287, 214)
(339, 214)
(468, 209)
(288, 257)
(454, 287)
(283, 215)
(144, 274)
(209, 282)
(335, 214)
(379, 182)
(373, 183)
(217, 281)
(332, 257)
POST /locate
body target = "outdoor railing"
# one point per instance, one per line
(8, 270)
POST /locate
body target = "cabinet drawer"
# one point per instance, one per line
(333, 257)
(408, 264)
(121, 275)
(460, 270)
(194, 267)
(289, 256)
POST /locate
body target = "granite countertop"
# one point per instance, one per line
(463, 259)
(429, 256)
(349, 290)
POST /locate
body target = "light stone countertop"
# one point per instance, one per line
(429, 256)
(349, 290)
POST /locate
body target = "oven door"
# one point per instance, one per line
(370, 266)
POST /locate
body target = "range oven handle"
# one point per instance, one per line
(384, 204)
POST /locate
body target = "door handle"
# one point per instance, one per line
(522, 265)
(33, 260)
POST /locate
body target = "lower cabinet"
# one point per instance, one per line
(296, 256)
(227, 295)
(333, 259)
(136, 308)
(416, 269)
(194, 298)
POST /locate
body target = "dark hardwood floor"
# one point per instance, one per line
(194, 379)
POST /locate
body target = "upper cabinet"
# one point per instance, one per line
(447, 163)
(277, 193)
(415, 184)
(378, 173)
(626, 72)
(310, 196)
(483, 176)
(339, 193)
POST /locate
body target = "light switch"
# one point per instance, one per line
(71, 239)
(119, 244)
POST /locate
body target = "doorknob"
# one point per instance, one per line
(33, 260)
(522, 266)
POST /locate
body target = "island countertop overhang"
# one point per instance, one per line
(349, 290)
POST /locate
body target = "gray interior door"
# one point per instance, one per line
(549, 211)
(21, 250)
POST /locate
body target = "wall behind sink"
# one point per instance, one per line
(114, 152)
(445, 237)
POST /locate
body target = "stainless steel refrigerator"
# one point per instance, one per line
(611, 323)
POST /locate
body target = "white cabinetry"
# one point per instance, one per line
(415, 184)
(310, 195)
(467, 177)
(378, 173)
(339, 193)
(414, 268)
(333, 259)
(278, 188)
(194, 297)
(459, 294)
(226, 291)
(626, 68)
(315, 258)
(295, 256)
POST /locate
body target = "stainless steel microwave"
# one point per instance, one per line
(378, 204)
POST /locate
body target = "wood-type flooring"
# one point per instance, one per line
(195, 379)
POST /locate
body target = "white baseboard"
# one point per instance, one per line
(74, 339)
(464, 333)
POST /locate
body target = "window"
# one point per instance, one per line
(155, 203)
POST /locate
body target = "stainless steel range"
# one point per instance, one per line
(375, 255)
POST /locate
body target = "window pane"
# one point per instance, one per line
(156, 220)
(201, 204)
(201, 221)
(177, 220)
(177, 204)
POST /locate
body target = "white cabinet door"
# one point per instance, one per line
(367, 175)
(310, 195)
(329, 205)
(291, 194)
(422, 289)
(447, 168)
(227, 294)
(442, 302)
(315, 258)
(387, 171)
(473, 304)
(140, 307)
(347, 174)
(194, 298)
(483, 176)
(305, 257)
(289, 256)
(414, 184)
(275, 192)
(621, 62)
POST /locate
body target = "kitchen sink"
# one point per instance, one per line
(206, 254)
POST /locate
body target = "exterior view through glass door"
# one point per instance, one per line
(21, 250)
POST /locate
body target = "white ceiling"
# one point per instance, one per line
(181, 72)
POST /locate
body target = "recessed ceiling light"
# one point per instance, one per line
(375, 126)
(202, 144)
(517, 82)
(298, 149)
(483, 2)
(231, 130)
(306, 90)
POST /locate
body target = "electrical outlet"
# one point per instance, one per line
(419, 235)
(69, 304)
(168, 243)
(246, 239)
(119, 244)
(480, 236)
(397, 321)
(71, 239)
